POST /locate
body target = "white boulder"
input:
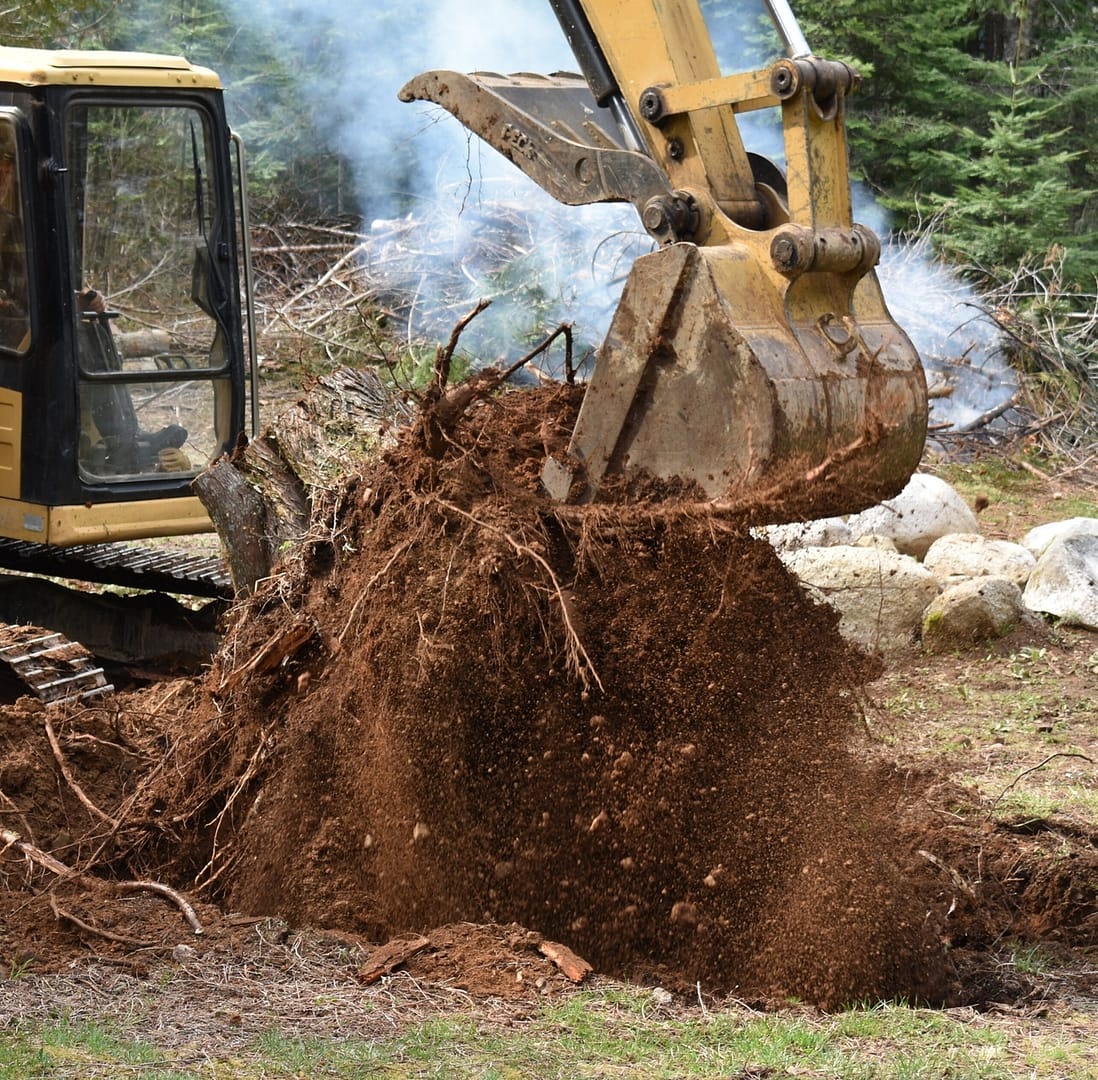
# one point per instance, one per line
(925, 510)
(824, 532)
(958, 556)
(1037, 540)
(1064, 582)
(879, 595)
(881, 543)
(974, 610)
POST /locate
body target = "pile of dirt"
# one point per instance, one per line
(467, 718)
(628, 730)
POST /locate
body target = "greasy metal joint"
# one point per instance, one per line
(785, 79)
(670, 218)
(826, 80)
(796, 250)
(653, 106)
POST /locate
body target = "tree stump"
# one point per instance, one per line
(260, 498)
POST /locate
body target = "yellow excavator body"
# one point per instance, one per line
(752, 357)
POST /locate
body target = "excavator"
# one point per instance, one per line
(123, 368)
(751, 356)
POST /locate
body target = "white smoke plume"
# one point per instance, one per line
(481, 224)
(459, 189)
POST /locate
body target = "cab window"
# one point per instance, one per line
(150, 289)
(14, 305)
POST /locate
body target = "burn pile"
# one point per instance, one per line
(628, 730)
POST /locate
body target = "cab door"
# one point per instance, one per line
(150, 229)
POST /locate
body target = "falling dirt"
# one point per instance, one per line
(628, 731)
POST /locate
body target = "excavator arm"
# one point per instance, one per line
(752, 359)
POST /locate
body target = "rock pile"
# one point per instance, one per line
(916, 568)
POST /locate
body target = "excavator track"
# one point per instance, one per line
(52, 667)
(157, 570)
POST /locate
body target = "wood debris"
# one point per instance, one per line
(574, 967)
(385, 959)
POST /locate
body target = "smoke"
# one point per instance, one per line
(478, 227)
(961, 348)
(476, 222)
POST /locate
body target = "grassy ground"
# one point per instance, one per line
(610, 1032)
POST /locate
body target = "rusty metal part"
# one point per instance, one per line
(50, 666)
(796, 250)
(551, 128)
(825, 80)
(672, 217)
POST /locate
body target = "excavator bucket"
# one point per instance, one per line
(752, 361)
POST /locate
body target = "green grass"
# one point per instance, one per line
(67, 1049)
(1011, 490)
(620, 1033)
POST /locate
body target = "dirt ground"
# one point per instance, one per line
(466, 738)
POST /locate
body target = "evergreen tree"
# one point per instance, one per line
(992, 113)
(1015, 200)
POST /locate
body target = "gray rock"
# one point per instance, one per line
(879, 595)
(1064, 582)
(968, 555)
(1037, 540)
(975, 610)
(925, 510)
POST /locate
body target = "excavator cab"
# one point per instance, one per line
(752, 359)
(123, 370)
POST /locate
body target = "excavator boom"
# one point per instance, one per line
(752, 359)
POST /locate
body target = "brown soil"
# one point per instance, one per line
(628, 731)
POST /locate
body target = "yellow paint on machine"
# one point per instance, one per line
(101, 523)
(11, 441)
(76, 67)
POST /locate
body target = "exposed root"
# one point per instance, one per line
(121, 939)
(1025, 772)
(77, 790)
(164, 890)
(578, 658)
(250, 772)
(34, 854)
